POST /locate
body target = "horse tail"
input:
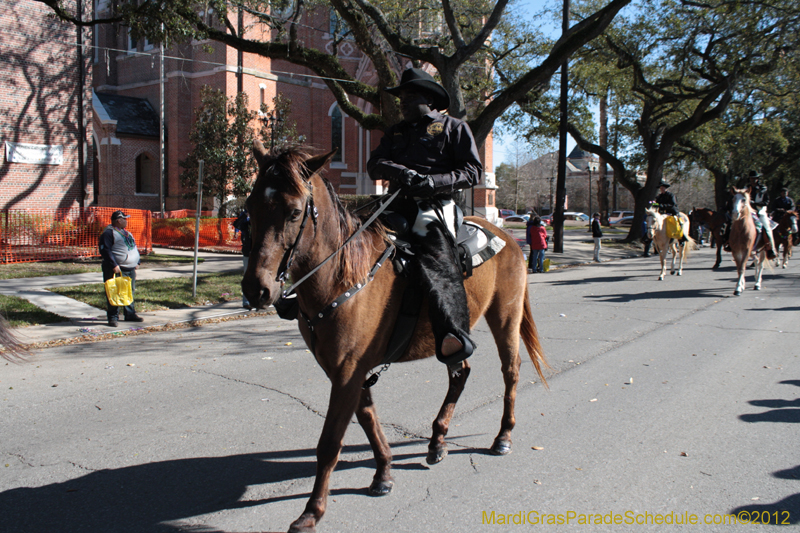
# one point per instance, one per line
(530, 336)
(10, 348)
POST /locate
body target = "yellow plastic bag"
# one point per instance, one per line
(673, 227)
(546, 265)
(119, 291)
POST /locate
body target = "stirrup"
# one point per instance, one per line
(468, 347)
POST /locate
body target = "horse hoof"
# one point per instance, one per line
(501, 447)
(304, 524)
(380, 488)
(436, 455)
(737, 292)
(672, 273)
(756, 288)
(680, 273)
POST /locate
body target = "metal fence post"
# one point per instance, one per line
(197, 224)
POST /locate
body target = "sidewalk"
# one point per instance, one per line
(88, 321)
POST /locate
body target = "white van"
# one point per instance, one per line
(616, 215)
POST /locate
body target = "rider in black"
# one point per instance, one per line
(667, 203)
(782, 204)
(431, 157)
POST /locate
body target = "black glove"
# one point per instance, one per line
(415, 184)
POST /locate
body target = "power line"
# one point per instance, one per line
(177, 58)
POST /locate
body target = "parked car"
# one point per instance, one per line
(547, 220)
(574, 215)
(518, 218)
(616, 215)
(624, 221)
(505, 213)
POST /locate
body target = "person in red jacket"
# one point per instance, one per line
(536, 237)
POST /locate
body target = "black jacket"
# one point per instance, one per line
(439, 146)
(596, 231)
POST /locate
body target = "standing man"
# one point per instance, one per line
(242, 224)
(430, 157)
(597, 234)
(759, 199)
(120, 256)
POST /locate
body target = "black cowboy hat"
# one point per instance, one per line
(754, 175)
(119, 214)
(415, 78)
(664, 184)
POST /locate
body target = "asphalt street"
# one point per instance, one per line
(669, 401)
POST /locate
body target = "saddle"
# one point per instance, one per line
(474, 244)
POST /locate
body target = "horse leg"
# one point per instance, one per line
(719, 254)
(505, 330)
(674, 250)
(344, 397)
(681, 256)
(437, 447)
(741, 264)
(367, 416)
(759, 266)
(663, 256)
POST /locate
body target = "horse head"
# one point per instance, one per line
(654, 220)
(741, 203)
(281, 207)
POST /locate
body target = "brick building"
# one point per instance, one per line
(45, 90)
(117, 161)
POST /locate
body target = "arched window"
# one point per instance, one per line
(337, 133)
(146, 175)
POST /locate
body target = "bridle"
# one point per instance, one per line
(310, 211)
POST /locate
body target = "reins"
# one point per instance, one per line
(288, 256)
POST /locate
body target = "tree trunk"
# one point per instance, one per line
(602, 182)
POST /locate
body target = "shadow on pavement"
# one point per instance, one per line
(140, 498)
(659, 295)
(784, 512)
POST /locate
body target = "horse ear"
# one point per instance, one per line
(314, 164)
(259, 152)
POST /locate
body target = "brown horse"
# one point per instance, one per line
(743, 239)
(289, 195)
(714, 221)
(784, 234)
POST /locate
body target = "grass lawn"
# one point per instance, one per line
(20, 312)
(92, 264)
(166, 293)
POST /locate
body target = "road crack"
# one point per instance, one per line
(264, 387)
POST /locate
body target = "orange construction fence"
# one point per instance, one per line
(215, 233)
(28, 235)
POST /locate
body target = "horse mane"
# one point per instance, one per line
(655, 214)
(356, 259)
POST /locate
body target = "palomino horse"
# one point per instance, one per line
(713, 220)
(297, 222)
(657, 231)
(743, 239)
(784, 234)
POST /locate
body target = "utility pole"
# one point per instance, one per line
(561, 185)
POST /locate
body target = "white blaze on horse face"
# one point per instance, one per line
(269, 192)
(739, 205)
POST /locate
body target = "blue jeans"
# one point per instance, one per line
(112, 311)
(536, 261)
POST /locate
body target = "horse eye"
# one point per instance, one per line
(296, 214)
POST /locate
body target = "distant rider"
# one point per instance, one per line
(759, 199)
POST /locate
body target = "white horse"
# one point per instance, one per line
(743, 239)
(657, 231)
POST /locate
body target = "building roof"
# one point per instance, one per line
(577, 153)
(134, 116)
